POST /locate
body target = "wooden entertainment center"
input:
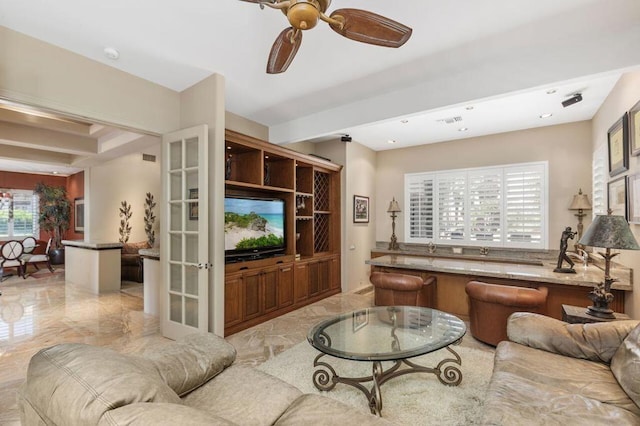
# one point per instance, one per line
(257, 290)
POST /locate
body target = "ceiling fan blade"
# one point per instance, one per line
(284, 50)
(367, 27)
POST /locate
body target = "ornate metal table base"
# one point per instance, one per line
(325, 377)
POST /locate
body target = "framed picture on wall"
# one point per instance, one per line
(78, 215)
(360, 209)
(634, 129)
(618, 142)
(618, 197)
(633, 198)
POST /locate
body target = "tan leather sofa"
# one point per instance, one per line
(187, 382)
(491, 304)
(393, 289)
(554, 373)
(131, 265)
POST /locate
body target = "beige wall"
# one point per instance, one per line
(127, 178)
(566, 147)
(623, 96)
(246, 126)
(359, 238)
(302, 147)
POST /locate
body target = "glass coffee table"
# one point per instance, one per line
(386, 333)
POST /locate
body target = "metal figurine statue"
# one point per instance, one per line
(564, 244)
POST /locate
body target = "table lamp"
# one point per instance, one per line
(580, 203)
(609, 232)
(394, 208)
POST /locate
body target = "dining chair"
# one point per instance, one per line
(37, 257)
(29, 244)
(11, 252)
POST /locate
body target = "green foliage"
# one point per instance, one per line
(55, 211)
(125, 215)
(241, 220)
(149, 219)
(264, 241)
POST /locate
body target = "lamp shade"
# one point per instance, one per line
(609, 231)
(580, 202)
(394, 207)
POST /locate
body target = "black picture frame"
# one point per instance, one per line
(360, 209)
(618, 144)
(617, 197)
(78, 215)
(634, 129)
(193, 206)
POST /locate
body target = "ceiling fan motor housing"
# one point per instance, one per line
(303, 14)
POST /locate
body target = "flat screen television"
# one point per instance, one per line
(253, 227)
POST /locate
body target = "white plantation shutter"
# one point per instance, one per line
(419, 196)
(19, 219)
(600, 178)
(485, 205)
(497, 206)
(451, 206)
(525, 192)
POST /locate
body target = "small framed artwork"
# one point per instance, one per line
(618, 196)
(633, 198)
(618, 141)
(193, 206)
(360, 319)
(360, 209)
(78, 215)
(634, 129)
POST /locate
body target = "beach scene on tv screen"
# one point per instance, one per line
(253, 224)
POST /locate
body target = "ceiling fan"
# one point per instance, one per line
(355, 24)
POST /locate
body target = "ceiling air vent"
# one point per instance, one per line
(450, 120)
(149, 157)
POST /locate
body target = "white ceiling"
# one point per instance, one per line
(499, 56)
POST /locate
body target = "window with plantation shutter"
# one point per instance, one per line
(19, 216)
(451, 206)
(502, 206)
(600, 177)
(419, 193)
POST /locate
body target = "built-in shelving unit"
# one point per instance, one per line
(258, 290)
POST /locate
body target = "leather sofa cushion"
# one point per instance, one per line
(530, 386)
(625, 365)
(89, 381)
(161, 414)
(191, 361)
(245, 395)
(133, 248)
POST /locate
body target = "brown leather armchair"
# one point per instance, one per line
(402, 290)
(490, 305)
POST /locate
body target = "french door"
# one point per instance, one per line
(184, 242)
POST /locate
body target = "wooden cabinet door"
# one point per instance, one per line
(270, 289)
(314, 278)
(323, 275)
(334, 273)
(301, 277)
(233, 299)
(251, 296)
(285, 286)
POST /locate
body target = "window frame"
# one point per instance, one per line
(35, 209)
(413, 180)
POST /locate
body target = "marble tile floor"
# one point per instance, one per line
(41, 311)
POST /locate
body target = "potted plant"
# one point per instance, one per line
(55, 217)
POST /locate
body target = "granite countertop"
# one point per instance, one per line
(152, 253)
(543, 272)
(92, 245)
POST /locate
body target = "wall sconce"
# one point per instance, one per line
(580, 203)
(394, 208)
(610, 232)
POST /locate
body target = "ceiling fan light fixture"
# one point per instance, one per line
(303, 14)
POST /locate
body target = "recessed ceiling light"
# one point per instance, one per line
(463, 129)
(469, 108)
(391, 141)
(111, 53)
(405, 121)
(55, 173)
(228, 147)
(551, 91)
(546, 115)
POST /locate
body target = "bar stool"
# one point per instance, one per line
(393, 289)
